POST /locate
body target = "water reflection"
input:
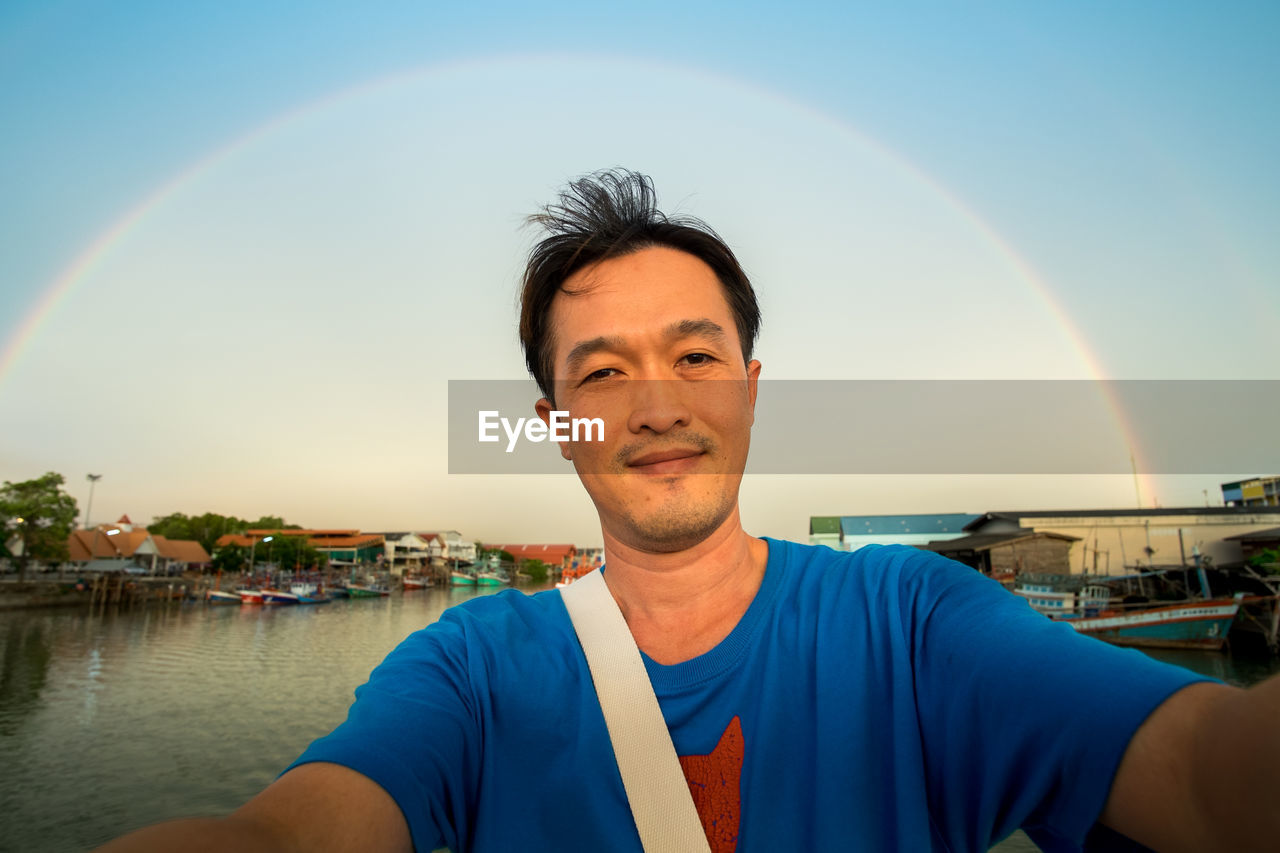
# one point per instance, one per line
(24, 667)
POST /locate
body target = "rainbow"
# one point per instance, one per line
(64, 284)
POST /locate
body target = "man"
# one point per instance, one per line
(883, 700)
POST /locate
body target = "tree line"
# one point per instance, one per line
(37, 517)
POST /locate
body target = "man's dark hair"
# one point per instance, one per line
(606, 215)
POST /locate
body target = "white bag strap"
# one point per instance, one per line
(656, 788)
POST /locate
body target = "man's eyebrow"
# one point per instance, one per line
(702, 328)
(585, 349)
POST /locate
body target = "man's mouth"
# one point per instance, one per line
(673, 461)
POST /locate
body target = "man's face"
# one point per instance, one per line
(647, 342)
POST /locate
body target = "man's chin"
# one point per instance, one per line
(676, 526)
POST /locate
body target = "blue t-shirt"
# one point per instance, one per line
(885, 699)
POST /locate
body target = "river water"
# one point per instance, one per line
(114, 721)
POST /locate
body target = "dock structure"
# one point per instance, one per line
(1260, 614)
(120, 589)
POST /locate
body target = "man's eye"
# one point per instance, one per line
(602, 373)
(698, 358)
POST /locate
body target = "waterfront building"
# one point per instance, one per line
(1102, 541)
(1259, 491)
(1007, 555)
(1261, 544)
(449, 546)
(1115, 541)
(851, 532)
(133, 544)
(341, 546)
(406, 550)
(558, 557)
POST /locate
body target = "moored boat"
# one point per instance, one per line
(250, 596)
(462, 579)
(309, 593)
(217, 596)
(1185, 625)
(362, 591)
(415, 582)
(491, 579)
(1091, 609)
(278, 596)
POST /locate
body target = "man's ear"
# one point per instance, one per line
(544, 407)
(753, 385)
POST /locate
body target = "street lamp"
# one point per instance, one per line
(252, 546)
(93, 480)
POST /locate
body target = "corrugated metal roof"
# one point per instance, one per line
(1139, 511)
(888, 525)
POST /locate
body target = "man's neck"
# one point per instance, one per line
(681, 604)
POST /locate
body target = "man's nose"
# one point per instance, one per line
(658, 405)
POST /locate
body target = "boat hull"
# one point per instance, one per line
(365, 592)
(459, 579)
(214, 596)
(1194, 625)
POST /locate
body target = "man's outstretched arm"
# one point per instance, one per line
(1202, 771)
(312, 807)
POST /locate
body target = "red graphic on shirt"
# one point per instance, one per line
(715, 782)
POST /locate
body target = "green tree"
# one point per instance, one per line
(535, 569)
(1268, 560)
(175, 525)
(231, 558)
(270, 522)
(290, 553)
(209, 527)
(40, 516)
(205, 529)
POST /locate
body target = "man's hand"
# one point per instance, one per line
(1202, 771)
(313, 807)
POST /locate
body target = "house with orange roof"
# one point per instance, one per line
(342, 546)
(558, 557)
(132, 544)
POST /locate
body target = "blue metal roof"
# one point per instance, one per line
(888, 525)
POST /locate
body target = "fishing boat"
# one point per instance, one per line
(366, 591)
(250, 596)
(217, 596)
(309, 593)
(491, 579)
(278, 596)
(1191, 624)
(458, 578)
(1185, 625)
(415, 582)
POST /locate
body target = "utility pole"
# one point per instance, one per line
(93, 481)
(1137, 490)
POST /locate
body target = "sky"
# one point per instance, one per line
(244, 247)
